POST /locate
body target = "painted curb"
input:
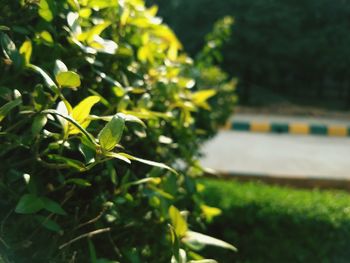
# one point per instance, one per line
(292, 128)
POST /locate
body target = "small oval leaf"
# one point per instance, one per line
(68, 79)
(111, 134)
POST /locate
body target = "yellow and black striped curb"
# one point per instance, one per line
(293, 128)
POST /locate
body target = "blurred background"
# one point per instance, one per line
(291, 59)
(290, 128)
(285, 53)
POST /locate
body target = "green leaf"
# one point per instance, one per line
(117, 156)
(26, 50)
(126, 117)
(44, 10)
(177, 221)
(4, 28)
(78, 181)
(93, 258)
(88, 153)
(132, 118)
(175, 243)
(10, 51)
(67, 161)
(48, 81)
(38, 124)
(152, 163)
(152, 180)
(48, 223)
(8, 47)
(194, 239)
(29, 204)
(68, 79)
(53, 206)
(203, 261)
(74, 122)
(5, 109)
(111, 134)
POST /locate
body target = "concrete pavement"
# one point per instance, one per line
(280, 155)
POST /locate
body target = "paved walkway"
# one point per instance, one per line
(282, 155)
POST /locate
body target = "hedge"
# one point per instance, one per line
(278, 224)
(102, 115)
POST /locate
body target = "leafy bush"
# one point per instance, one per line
(296, 49)
(98, 107)
(278, 224)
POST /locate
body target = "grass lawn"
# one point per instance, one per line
(278, 224)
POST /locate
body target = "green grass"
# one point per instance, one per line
(279, 224)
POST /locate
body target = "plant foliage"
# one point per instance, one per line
(101, 119)
(284, 224)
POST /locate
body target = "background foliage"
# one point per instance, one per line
(98, 106)
(297, 49)
(279, 224)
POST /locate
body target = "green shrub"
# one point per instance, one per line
(97, 103)
(278, 224)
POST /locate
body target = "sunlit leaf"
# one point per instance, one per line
(59, 67)
(200, 97)
(100, 4)
(26, 50)
(148, 162)
(73, 23)
(81, 112)
(210, 212)
(177, 221)
(76, 125)
(44, 10)
(117, 156)
(68, 79)
(152, 180)
(88, 36)
(46, 36)
(195, 238)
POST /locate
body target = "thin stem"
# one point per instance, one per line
(86, 235)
